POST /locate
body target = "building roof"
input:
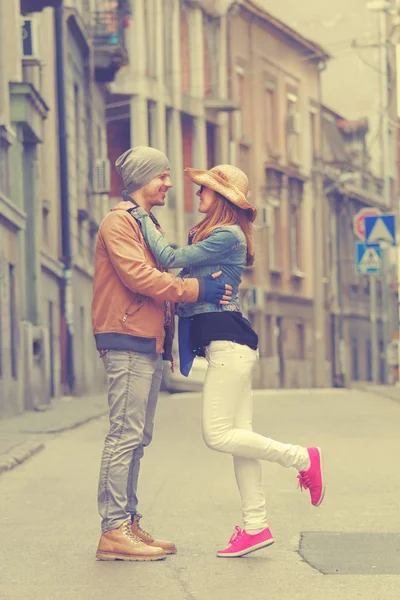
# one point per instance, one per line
(316, 52)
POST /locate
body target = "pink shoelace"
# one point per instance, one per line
(236, 536)
(304, 482)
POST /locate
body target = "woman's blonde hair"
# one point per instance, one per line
(222, 212)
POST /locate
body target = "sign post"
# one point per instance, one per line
(369, 262)
(381, 229)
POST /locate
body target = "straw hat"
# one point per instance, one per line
(229, 181)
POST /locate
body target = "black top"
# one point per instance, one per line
(230, 326)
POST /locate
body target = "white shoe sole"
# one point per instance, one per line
(322, 479)
(247, 551)
(126, 557)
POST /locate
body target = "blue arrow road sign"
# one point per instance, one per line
(368, 258)
(380, 228)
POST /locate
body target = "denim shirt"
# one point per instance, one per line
(224, 250)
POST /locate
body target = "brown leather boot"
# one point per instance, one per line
(168, 547)
(121, 544)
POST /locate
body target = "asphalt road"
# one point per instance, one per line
(50, 527)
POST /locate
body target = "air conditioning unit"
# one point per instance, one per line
(101, 176)
(254, 297)
(264, 215)
(29, 38)
(293, 123)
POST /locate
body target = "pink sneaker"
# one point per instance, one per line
(242, 543)
(312, 479)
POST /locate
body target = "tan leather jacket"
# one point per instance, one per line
(129, 290)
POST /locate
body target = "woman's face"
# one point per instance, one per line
(206, 199)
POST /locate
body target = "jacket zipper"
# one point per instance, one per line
(126, 315)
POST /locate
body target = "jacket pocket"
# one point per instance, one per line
(133, 308)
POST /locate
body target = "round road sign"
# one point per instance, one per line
(358, 220)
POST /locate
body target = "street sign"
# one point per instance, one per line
(358, 220)
(368, 258)
(381, 228)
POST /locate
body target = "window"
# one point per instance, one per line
(211, 130)
(4, 166)
(273, 197)
(13, 320)
(314, 137)
(354, 357)
(211, 55)
(185, 51)
(150, 22)
(240, 114)
(245, 162)
(45, 226)
(51, 349)
(92, 244)
(300, 341)
(370, 375)
(295, 201)
(80, 237)
(100, 142)
(269, 337)
(187, 125)
(168, 31)
(271, 118)
(78, 157)
(1, 316)
(171, 134)
(83, 341)
(292, 128)
(152, 123)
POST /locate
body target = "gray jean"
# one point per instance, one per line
(134, 381)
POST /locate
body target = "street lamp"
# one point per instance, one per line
(384, 7)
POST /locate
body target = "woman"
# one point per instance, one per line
(223, 241)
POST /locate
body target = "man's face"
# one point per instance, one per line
(155, 192)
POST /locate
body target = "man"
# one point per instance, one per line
(132, 318)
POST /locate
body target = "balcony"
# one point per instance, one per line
(32, 6)
(110, 53)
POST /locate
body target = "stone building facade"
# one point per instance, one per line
(275, 138)
(54, 185)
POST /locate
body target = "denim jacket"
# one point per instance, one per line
(224, 250)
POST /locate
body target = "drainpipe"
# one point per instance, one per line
(66, 300)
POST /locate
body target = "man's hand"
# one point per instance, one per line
(216, 292)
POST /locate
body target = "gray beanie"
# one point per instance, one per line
(140, 165)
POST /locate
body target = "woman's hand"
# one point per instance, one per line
(217, 292)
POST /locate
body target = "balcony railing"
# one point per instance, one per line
(31, 6)
(109, 28)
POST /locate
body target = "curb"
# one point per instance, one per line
(383, 393)
(70, 427)
(19, 454)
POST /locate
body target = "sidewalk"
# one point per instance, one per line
(387, 391)
(26, 434)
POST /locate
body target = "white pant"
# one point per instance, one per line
(227, 416)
